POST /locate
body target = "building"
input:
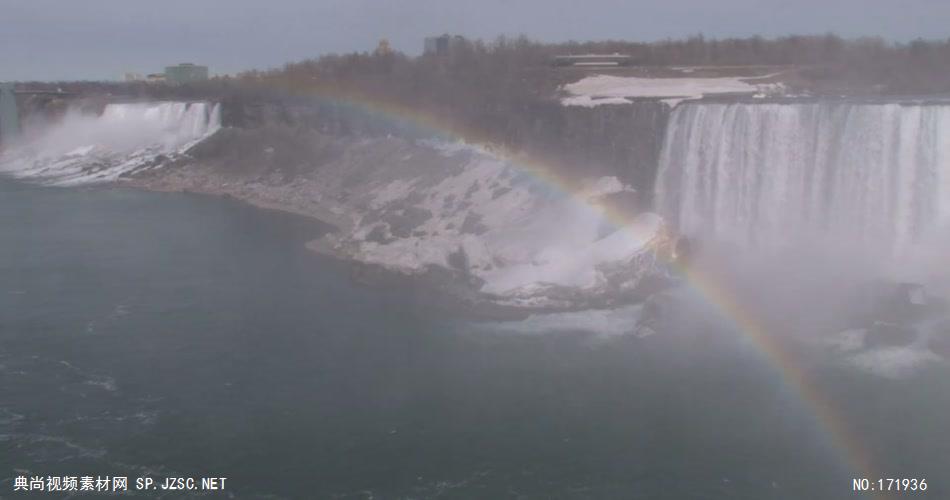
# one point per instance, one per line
(155, 78)
(133, 77)
(442, 45)
(186, 73)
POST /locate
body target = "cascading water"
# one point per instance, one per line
(83, 148)
(769, 175)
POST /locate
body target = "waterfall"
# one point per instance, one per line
(9, 118)
(762, 175)
(82, 148)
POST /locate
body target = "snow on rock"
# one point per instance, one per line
(607, 185)
(608, 89)
(416, 207)
(519, 237)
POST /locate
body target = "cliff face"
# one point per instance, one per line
(621, 140)
(424, 207)
(576, 142)
(404, 197)
(611, 140)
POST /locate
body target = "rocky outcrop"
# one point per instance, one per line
(427, 208)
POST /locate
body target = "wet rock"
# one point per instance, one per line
(684, 250)
(940, 339)
(473, 224)
(883, 334)
(404, 223)
(378, 235)
(898, 303)
(656, 311)
(499, 192)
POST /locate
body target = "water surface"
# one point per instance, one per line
(179, 335)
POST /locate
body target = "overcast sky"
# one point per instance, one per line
(102, 39)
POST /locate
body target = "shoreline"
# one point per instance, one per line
(444, 290)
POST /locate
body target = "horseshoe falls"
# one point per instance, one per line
(779, 174)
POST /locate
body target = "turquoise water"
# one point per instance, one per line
(146, 334)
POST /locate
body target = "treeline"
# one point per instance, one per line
(513, 64)
(503, 88)
(504, 91)
(478, 78)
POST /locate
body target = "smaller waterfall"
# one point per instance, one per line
(83, 148)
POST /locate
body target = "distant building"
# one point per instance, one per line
(383, 48)
(155, 78)
(133, 77)
(186, 73)
(442, 45)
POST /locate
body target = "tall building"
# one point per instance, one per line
(442, 45)
(436, 45)
(186, 73)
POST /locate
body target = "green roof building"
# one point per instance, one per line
(186, 73)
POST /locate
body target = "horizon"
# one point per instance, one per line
(214, 74)
(230, 37)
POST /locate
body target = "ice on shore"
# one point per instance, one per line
(516, 233)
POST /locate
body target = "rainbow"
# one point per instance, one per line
(828, 419)
(843, 440)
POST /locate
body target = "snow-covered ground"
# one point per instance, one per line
(518, 234)
(608, 89)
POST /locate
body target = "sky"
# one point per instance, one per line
(103, 39)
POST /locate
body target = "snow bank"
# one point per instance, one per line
(518, 236)
(607, 89)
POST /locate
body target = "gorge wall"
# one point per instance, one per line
(622, 141)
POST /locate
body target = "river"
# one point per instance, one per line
(168, 335)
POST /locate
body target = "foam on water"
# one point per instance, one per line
(601, 322)
(894, 362)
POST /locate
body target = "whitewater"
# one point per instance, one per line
(83, 148)
(768, 175)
